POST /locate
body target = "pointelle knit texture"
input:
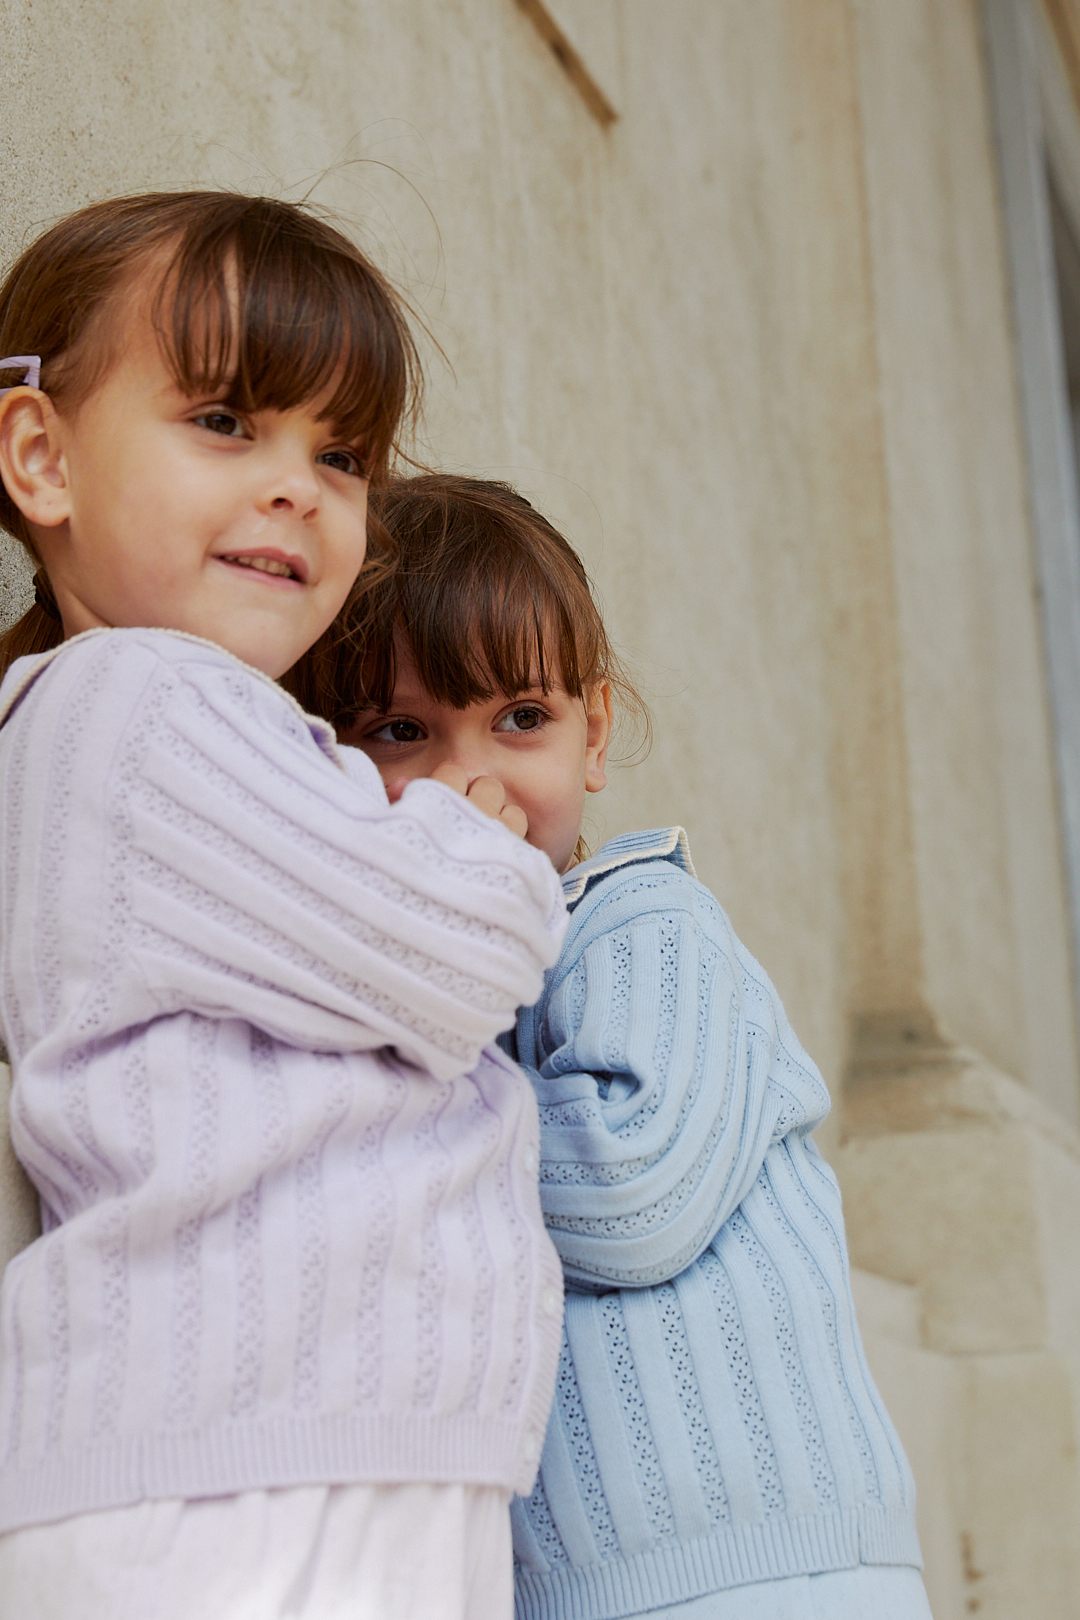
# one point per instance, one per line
(291, 1225)
(715, 1422)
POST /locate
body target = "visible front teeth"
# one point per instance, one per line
(265, 565)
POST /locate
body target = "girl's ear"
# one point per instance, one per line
(597, 736)
(32, 463)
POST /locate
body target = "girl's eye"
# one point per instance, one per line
(527, 717)
(396, 731)
(346, 461)
(224, 422)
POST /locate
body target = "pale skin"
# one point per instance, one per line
(543, 751)
(148, 507)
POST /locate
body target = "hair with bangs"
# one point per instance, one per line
(486, 597)
(259, 303)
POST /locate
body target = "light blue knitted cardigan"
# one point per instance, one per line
(715, 1422)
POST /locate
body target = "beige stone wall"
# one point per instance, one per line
(750, 343)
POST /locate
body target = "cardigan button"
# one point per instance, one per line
(550, 1301)
(531, 1449)
(530, 1161)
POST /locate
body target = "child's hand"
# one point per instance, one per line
(485, 792)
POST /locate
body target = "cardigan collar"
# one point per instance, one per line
(660, 843)
(22, 674)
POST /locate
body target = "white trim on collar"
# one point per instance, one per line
(656, 844)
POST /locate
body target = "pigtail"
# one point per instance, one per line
(39, 630)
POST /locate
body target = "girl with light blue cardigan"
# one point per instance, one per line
(718, 1450)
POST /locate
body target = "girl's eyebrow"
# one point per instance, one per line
(535, 689)
(420, 698)
(399, 700)
(174, 389)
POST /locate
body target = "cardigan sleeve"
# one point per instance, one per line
(666, 1070)
(268, 879)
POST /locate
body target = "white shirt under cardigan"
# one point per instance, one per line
(715, 1423)
(291, 1226)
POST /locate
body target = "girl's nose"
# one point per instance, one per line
(291, 485)
(470, 758)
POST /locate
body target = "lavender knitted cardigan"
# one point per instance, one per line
(291, 1225)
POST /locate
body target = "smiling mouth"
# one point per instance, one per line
(277, 566)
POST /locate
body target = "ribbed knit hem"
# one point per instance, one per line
(264, 1455)
(671, 1574)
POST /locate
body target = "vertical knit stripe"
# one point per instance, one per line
(578, 1522)
(806, 1351)
(779, 1396)
(736, 1421)
(652, 1365)
(598, 1014)
(820, 1301)
(685, 1373)
(815, 1185)
(602, 1400)
(566, 1495)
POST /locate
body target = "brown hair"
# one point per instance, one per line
(487, 598)
(261, 302)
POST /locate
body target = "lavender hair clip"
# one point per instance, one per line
(30, 363)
